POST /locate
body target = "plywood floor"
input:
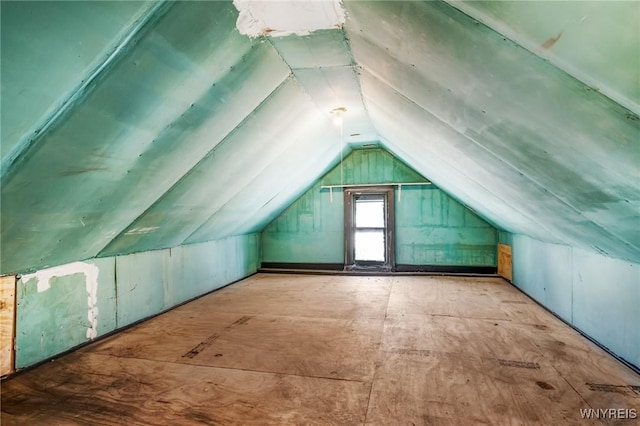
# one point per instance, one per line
(313, 349)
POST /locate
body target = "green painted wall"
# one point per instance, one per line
(55, 314)
(598, 295)
(434, 229)
(431, 227)
(48, 49)
(54, 319)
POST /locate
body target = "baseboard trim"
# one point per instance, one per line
(402, 268)
(296, 266)
(448, 269)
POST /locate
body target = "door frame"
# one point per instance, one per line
(349, 226)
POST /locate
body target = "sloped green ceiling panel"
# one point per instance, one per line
(48, 49)
(407, 135)
(323, 48)
(594, 41)
(278, 124)
(181, 137)
(458, 165)
(291, 193)
(553, 147)
(277, 186)
(147, 122)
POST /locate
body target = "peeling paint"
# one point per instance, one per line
(283, 18)
(43, 281)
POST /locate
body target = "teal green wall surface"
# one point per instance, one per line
(56, 319)
(47, 49)
(505, 237)
(434, 229)
(431, 227)
(598, 295)
(53, 318)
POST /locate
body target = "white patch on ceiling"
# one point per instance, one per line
(277, 18)
(140, 231)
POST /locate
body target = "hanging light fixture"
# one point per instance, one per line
(336, 113)
(338, 121)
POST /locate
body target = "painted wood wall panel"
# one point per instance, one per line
(434, 229)
(597, 294)
(606, 302)
(7, 323)
(66, 306)
(62, 307)
(431, 227)
(505, 265)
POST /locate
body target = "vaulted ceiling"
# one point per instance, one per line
(133, 126)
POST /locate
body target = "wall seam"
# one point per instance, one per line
(115, 288)
(29, 141)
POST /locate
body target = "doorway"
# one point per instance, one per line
(369, 228)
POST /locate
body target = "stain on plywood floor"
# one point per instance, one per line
(333, 350)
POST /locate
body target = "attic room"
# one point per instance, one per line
(320, 212)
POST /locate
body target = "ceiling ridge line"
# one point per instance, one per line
(291, 70)
(194, 167)
(511, 166)
(293, 73)
(30, 140)
(329, 67)
(355, 68)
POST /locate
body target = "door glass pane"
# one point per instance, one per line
(369, 232)
(369, 245)
(370, 213)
